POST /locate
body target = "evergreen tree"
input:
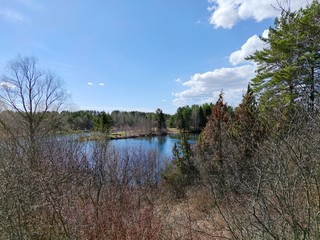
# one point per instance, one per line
(103, 122)
(288, 69)
(247, 131)
(182, 172)
(183, 118)
(183, 159)
(161, 122)
(213, 146)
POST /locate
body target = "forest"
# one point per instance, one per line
(186, 119)
(254, 173)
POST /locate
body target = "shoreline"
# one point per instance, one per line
(96, 136)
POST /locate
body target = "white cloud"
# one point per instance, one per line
(206, 86)
(226, 13)
(7, 85)
(101, 84)
(178, 80)
(253, 44)
(11, 15)
(163, 100)
(90, 83)
(265, 33)
(231, 96)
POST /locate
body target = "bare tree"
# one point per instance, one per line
(29, 93)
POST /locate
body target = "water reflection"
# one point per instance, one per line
(162, 144)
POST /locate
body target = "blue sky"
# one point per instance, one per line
(143, 54)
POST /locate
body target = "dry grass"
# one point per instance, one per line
(194, 217)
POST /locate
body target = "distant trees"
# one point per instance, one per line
(192, 118)
(139, 122)
(103, 122)
(161, 121)
(183, 118)
(79, 120)
(90, 120)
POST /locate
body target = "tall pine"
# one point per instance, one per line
(288, 69)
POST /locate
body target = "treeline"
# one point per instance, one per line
(118, 120)
(194, 118)
(188, 119)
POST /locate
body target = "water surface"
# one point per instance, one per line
(162, 144)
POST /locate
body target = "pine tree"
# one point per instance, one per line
(288, 69)
(103, 123)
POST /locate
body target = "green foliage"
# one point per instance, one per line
(86, 120)
(183, 117)
(80, 120)
(172, 121)
(183, 159)
(246, 121)
(182, 172)
(288, 69)
(191, 119)
(161, 121)
(103, 122)
(140, 121)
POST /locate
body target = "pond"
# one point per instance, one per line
(162, 144)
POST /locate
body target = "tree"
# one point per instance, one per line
(207, 109)
(30, 159)
(181, 172)
(103, 122)
(288, 69)
(247, 132)
(161, 121)
(29, 93)
(309, 61)
(213, 146)
(183, 118)
(183, 158)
